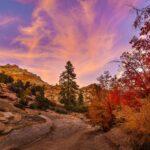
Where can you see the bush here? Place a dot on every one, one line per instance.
(101, 110)
(101, 115)
(137, 124)
(33, 106)
(23, 90)
(60, 110)
(17, 87)
(80, 108)
(22, 104)
(37, 90)
(43, 103)
(76, 108)
(5, 78)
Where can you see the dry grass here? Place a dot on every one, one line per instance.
(137, 123)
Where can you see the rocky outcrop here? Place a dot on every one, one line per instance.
(26, 134)
(5, 93)
(17, 126)
(88, 93)
(52, 93)
(7, 106)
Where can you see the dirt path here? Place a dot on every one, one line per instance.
(71, 134)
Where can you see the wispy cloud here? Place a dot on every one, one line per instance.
(7, 20)
(26, 1)
(83, 31)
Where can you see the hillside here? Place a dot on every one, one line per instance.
(21, 74)
(51, 92)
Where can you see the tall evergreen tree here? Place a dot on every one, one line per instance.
(69, 87)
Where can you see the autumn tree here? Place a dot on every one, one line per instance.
(101, 108)
(69, 87)
(136, 63)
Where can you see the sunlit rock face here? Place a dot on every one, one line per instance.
(52, 93)
(21, 74)
(88, 93)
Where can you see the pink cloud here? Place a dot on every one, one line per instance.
(77, 37)
(26, 1)
(6, 20)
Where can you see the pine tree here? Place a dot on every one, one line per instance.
(69, 87)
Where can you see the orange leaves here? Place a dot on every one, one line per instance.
(129, 98)
(101, 110)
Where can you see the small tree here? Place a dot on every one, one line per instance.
(69, 87)
(80, 98)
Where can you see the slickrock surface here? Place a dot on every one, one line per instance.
(18, 127)
(72, 133)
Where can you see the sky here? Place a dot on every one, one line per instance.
(41, 35)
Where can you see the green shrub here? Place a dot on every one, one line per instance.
(37, 90)
(81, 108)
(60, 110)
(17, 87)
(43, 103)
(5, 78)
(22, 104)
(76, 108)
(33, 106)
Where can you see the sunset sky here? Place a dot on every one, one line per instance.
(41, 35)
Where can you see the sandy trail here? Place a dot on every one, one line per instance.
(71, 133)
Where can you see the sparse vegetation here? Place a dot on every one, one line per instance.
(25, 90)
(5, 78)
